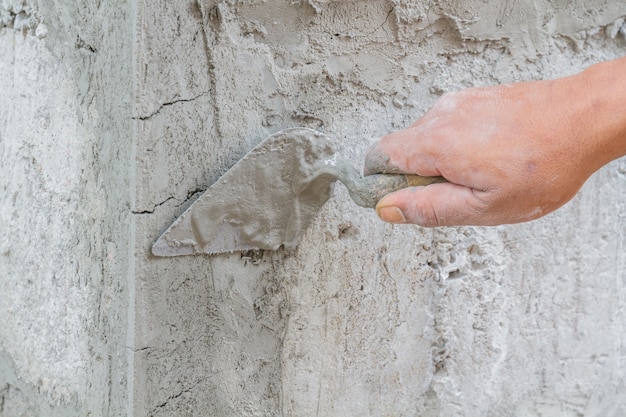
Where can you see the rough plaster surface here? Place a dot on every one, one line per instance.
(362, 318)
(65, 143)
(365, 318)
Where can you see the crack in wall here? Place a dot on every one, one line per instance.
(146, 348)
(187, 201)
(167, 104)
(151, 211)
(164, 404)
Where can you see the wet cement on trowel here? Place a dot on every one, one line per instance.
(265, 201)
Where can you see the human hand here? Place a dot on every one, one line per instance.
(511, 153)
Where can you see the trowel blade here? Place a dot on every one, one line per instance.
(265, 201)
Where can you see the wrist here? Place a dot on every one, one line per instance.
(602, 89)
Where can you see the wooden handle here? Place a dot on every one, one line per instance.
(416, 180)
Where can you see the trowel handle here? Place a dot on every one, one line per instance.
(418, 180)
(374, 187)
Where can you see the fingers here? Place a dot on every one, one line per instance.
(443, 204)
(400, 153)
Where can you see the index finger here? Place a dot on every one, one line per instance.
(400, 152)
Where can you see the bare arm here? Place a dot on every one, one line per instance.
(511, 153)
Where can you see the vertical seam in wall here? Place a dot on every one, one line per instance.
(618, 291)
(130, 331)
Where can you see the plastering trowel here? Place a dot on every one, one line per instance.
(269, 198)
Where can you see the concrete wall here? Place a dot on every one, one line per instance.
(115, 116)
(65, 224)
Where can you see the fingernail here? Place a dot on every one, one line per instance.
(391, 214)
(375, 160)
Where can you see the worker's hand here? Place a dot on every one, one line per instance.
(511, 153)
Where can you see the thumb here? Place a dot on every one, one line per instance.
(443, 204)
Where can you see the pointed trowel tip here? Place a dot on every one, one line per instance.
(162, 248)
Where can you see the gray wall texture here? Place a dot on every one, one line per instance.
(115, 115)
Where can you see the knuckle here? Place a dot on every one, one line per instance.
(426, 215)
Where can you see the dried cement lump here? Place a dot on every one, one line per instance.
(21, 16)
